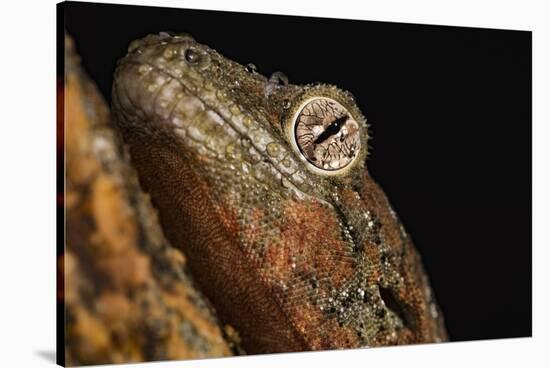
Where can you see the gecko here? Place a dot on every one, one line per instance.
(264, 186)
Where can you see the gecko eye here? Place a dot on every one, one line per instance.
(326, 134)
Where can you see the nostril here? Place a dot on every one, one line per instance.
(192, 56)
(392, 304)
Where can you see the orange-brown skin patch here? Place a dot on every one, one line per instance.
(311, 234)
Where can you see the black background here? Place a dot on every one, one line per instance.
(450, 116)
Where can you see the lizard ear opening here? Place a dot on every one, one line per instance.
(327, 131)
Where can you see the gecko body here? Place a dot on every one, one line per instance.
(264, 187)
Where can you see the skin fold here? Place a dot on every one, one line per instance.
(294, 256)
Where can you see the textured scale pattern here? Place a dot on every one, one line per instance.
(295, 260)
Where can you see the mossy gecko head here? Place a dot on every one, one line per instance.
(223, 111)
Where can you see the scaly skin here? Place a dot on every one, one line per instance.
(294, 257)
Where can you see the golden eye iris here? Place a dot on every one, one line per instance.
(326, 134)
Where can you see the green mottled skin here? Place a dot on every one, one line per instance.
(294, 259)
